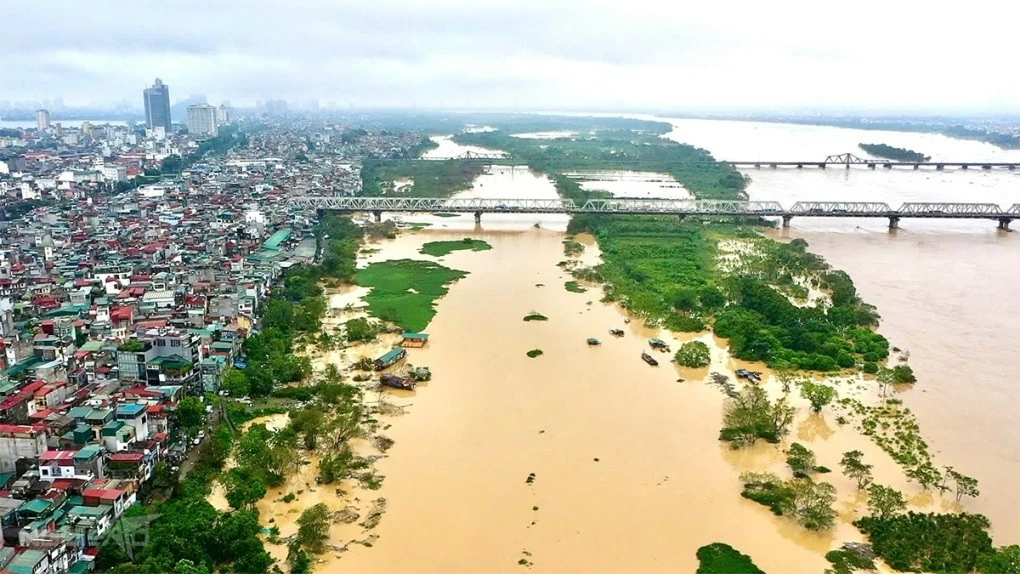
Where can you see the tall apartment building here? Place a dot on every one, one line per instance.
(202, 120)
(42, 120)
(157, 105)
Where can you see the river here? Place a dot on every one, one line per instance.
(628, 473)
(941, 287)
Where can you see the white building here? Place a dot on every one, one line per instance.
(222, 115)
(202, 120)
(115, 173)
(42, 120)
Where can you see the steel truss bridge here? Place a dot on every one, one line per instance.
(849, 159)
(678, 207)
(844, 159)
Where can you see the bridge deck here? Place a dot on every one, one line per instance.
(944, 210)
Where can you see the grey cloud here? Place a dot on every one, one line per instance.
(531, 52)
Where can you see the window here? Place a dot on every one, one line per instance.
(175, 343)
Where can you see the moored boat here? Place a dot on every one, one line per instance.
(396, 382)
(616, 332)
(593, 341)
(649, 359)
(659, 345)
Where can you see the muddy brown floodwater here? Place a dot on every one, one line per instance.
(629, 474)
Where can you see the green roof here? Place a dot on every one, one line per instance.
(26, 561)
(35, 506)
(67, 311)
(22, 367)
(277, 238)
(100, 510)
(410, 335)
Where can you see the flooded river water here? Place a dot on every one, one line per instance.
(628, 474)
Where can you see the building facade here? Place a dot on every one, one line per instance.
(202, 120)
(42, 120)
(157, 105)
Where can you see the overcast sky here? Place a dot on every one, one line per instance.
(661, 55)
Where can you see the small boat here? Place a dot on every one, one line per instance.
(593, 341)
(742, 373)
(659, 344)
(616, 332)
(397, 382)
(649, 359)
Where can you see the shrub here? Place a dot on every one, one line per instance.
(870, 367)
(693, 354)
(929, 542)
(719, 558)
(534, 353)
(903, 374)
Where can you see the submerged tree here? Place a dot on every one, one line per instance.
(855, 468)
(801, 460)
(819, 395)
(884, 501)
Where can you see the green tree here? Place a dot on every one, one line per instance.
(751, 416)
(884, 501)
(812, 504)
(172, 164)
(186, 566)
(925, 474)
(914, 542)
(801, 460)
(300, 562)
(235, 383)
(885, 378)
(855, 468)
(1004, 560)
(711, 297)
(693, 354)
(190, 412)
(683, 298)
(965, 485)
(818, 394)
(361, 329)
(903, 374)
(242, 489)
(110, 555)
(719, 558)
(313, 528)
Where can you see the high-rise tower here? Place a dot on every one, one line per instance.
(157, 105)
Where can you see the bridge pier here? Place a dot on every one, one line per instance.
(786, 220)
(1004, 223)
(917, 166)
(871, 166)
(887, 165)
(800, 166)
(681, 217)
(378, 216)
(963, 166)
(478, 217)
(986, 166)
(821, 166)
(894, 223)
(939, 167)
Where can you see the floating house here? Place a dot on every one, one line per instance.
(414, 339)
(391, 357)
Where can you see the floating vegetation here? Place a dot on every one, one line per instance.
(533, 316)
(534, 353)
(574, 287)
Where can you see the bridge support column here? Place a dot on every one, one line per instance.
(378, 216)
(917, 166)
(939, 167)
(894, 223)
(871, 166)
(681, 217)
(786, 220)
(478, 217)
(963, 166)
(821, 166)
(1004, 223)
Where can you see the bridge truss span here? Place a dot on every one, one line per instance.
(835, 208)
(930, 209)
(1014, 210)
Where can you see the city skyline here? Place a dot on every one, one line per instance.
(503, 55)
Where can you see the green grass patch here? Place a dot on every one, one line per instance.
(440, 248)
(534, 353)
(535, 317)
(404, 291)
(719, 558)
(574, 287)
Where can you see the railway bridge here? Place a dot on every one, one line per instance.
(678, 207)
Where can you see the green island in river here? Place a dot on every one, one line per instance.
(893, 153)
